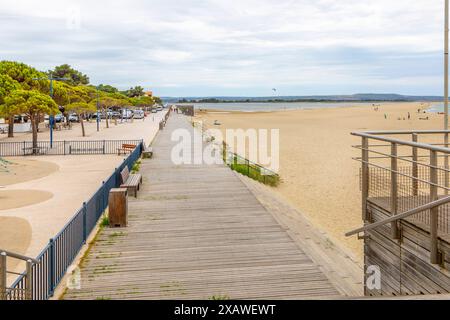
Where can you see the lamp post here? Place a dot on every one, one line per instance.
(98, 106)
(51, 119)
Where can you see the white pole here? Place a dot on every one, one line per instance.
(446, 64)
(446, 160)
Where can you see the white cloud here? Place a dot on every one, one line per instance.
(304, 45)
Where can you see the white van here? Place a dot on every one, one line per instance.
(139, 114)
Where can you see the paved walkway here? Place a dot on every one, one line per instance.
(197, 232)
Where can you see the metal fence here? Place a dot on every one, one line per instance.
(401, 175)
(61, 250)
(59, 148)
(249, 168)
(411, 193)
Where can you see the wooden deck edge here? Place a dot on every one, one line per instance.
(353, 269)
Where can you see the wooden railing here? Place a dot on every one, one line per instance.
(409, 178)
(10, 293)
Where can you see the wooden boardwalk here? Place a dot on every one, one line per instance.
(197, 232)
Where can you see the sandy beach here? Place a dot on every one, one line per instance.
(319, 176)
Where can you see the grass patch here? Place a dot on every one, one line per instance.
(104, 222)
(256, 173)
(116, 235)
(136, 167)
(172, 288)
(219, 298)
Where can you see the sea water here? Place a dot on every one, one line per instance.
(268, 106)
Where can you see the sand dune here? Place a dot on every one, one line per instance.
(319, 176)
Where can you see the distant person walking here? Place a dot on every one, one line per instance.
(385, 116)
(409, 116)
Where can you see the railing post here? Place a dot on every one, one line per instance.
(446, 164)
(84, 222)
(3, 276)
(51, 268)
(29, 281)
(104, 147)
(365, 177)
(415, 166)
(394, 189)
(434, 213)
(224, 151)
(104, 205)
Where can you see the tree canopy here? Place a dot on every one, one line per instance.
(143, 101)
(25, 75)
(137, 91)
(30, 102)
(7, 85)
(107, 88)
(25, 90)
(66, 71)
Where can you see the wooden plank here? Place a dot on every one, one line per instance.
(405, 265)
(196, 231)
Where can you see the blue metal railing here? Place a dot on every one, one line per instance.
(62, 250)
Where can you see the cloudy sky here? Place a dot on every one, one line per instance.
(234, 48)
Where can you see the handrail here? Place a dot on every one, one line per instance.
(399, 132)
(270, 172)
(18, 256)
(402, 142)
(404, 215)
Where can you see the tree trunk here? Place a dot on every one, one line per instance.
(11, 127)
(34, 126)
(107, 120)
(82, 125)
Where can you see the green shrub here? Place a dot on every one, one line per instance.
(254, 172)
(104, 222)
(136, 167)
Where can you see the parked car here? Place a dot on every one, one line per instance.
(154, 111)
(73, 118)
(139, 114)
(116, 115)
(59, 118)
(160, 109)
(95, 115)
(127, 114)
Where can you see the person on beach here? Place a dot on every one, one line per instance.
(409, 116)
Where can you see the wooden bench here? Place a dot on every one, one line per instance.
(148, 153)
(126, 148)
(131, 181)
